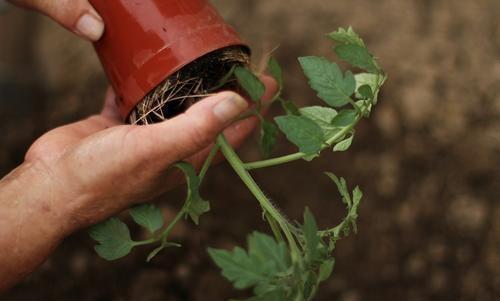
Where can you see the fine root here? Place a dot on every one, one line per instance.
(193, 82)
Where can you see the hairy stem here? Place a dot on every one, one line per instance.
(271, 211)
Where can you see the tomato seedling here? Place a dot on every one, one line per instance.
(290, 264)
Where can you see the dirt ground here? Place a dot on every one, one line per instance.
(427, 161)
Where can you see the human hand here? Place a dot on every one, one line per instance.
(102, 166)
(77, 16)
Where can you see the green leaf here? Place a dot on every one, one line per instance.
(345, 118)
(196, 206)
(289, 107)
(113, 237)
(148, 216)
(327, 80)
(274, 68)
(357, 195)
(312, 239)
(366, 92)
(357, 56)
(310, 158)
(309, 285)
(250, 83)
(344, 145)
(372, 80)
(326, 269)
(303, 132)
(323, 117)
(346, 36)
(342, 187)
(352, 204)
(268, 135)
(239, 268)
(265, 248)
(266, 259)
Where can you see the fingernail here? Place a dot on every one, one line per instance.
(230, 107)
(90, 27)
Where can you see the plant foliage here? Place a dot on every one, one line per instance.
(291, 264)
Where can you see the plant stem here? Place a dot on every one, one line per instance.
(145, 242)
(172, 224)
(274, 227)
(208, 162)
(299, 155)
(272, 212)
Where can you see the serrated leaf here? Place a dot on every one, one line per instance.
(268, 135)
(343, 145)
(264, 260)
(239, 268)
(366, 92)
(357, 56)
(352, 204)
(326, 269)
(274, 69)
(342, 188)
(327, 80)
(196, 206)
(357, 195)
(323, 117)
(250, 83)
(311, 237)
(265, 248)
(346, 36)
(147, 216)
(345, 118)
(114, 239)
(303, 132)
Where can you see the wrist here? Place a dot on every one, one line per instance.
(32, 190)
(32, 221)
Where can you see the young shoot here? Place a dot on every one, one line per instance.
(291, 263)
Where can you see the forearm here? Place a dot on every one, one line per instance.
(32, 221)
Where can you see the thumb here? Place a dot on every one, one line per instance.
(76, 15)
(183, 136)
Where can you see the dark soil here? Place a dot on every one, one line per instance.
(208, 74)
(427, 161)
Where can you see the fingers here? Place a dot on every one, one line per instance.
(110, 110)
(76, 15)
(188, 133)
(236, 134)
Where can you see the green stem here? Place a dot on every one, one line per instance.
(208, 162)
(274, 228)
(299, 155)
(172, 224)
(145, 242)
(272, 212)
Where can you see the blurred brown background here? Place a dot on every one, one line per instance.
(427, 161)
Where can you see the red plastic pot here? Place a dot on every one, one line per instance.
(146, 41)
